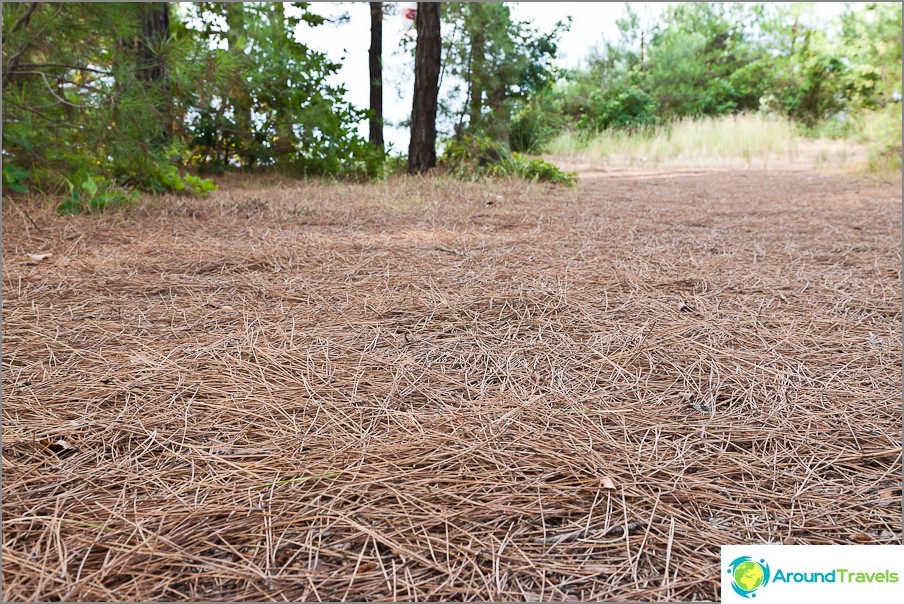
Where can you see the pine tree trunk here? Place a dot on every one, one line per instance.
(498, 127)
(151, 63)
(241, 101)
(154, 33)
(427, 58)
(475, 118)
(375, 58)
(284, 146)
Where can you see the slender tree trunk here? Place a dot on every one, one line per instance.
(427, 60)
(476, 74)
(460, 126)
(241, 100)
(151, 64)
(375, 58)
(154, 34)
(498, 125)
(284, 146)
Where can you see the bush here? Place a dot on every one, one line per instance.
(619, 107)
(13, 177)
(536, 169)
(533, 128)
(470, 152)
(94, 195)
(476, 157)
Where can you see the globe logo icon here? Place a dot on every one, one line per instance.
(748, 575)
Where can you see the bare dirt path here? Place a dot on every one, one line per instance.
(435, 390)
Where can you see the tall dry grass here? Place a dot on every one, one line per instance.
(747, 140)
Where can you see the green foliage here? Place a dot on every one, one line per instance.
(536, 169)
(713, 59)
(394, 164)
(73, 99)
(92, 94)
(92, 90)
(94, 195)
(880, 131)
(532, 128)
(480, 157)
(199, 186)
(265, 100)
(474, 150)
(619, 107)
(496, 65)
(14, 177)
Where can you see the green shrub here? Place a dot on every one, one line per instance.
(94, 195)
(533, 128)
(535, 169)
(199, 186)
(13, 177)
(469, 152)
(476, 157)
(619, 107)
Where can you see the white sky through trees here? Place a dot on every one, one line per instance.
(347, 42)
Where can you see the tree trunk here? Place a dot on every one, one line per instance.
(241, 99)
(154, 34)
(476, 74)
(498, 124)
(284, 146)
(151, 64)
(427, 59)
(375, 58)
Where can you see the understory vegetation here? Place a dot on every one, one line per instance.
(102, 100)
(870, 141)
(718, 80)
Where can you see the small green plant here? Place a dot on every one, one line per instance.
(169, 179)
(465, 155)
(196, 185)
(537, 169)
(93, 195)
(476, 157)
(13, 177)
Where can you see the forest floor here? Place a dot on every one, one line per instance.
(425, 389)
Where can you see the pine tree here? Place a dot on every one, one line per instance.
(375, 59)
(427, 59)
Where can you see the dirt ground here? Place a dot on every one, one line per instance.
(433, 390)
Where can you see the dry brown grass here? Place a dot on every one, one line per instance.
(433, 390)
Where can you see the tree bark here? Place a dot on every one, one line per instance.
(284, 146)
(375, 59)
(241, 99)
(154, 34)
(427, 60)
(476, 76)
(151, 62)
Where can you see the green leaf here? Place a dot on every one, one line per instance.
(90, 187)
(70, 206)
(14, 173)
(99, 202)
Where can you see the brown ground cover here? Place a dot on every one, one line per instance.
(435, 390)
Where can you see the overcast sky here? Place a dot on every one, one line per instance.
(592, 22)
